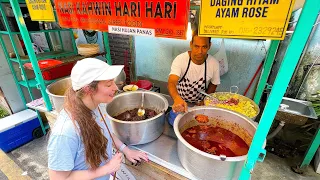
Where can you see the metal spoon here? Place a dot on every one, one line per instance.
(210, 96)
(204, 93)
(141, 110)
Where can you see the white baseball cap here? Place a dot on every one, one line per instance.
(91, 69)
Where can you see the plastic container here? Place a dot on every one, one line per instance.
(17, 129)
(44, 64)
(143, 84)
(171, 117)
(53, 69)
(58, 72)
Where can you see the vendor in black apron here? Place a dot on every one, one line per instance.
(191, 72)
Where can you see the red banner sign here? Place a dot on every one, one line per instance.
(159, 18)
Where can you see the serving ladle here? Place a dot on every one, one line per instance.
(141, 110)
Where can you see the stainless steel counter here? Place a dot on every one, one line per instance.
(163, 150)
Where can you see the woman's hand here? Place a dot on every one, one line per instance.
(114, 164)
(135, 156)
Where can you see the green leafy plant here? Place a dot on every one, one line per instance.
(316, 103)
(316, 106)
(3, 113)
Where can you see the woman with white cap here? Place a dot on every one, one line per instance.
(80, 146)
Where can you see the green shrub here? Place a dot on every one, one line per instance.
(3, 113)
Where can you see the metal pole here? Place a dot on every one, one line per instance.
(49, 41)
(107, 47)
(299, 39)
(60, 39)
(73, 41)
(267, 66)
(32, 56)
(311, 150)
(59, 32)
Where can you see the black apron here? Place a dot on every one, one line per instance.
(189, 91)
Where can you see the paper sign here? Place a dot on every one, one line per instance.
(165, 18)
(132, 31)
(245, 19)
(40, 10)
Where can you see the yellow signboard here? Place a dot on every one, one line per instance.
(245, 19)
(40, 10)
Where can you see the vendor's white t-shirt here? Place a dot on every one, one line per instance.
(196, 72)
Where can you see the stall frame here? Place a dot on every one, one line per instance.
(256, 152)
(297, 44)
(38, 82)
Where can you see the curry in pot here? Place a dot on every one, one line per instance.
(132, 115)
(214, 140)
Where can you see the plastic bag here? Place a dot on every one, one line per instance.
(37, 49)
(221, 57)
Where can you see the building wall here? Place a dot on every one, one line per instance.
(8, 85)
(155, 55)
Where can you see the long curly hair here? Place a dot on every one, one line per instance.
(95, 143)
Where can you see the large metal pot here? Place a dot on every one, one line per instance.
(120, 80)
(138, 132)
(56, 92)
(206, 166)
(57, 89)
(243, 98)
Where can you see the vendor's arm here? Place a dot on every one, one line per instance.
(211, 88)
(131, 155)
(179, 104)
(172, 86)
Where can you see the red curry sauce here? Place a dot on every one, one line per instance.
(215, 140)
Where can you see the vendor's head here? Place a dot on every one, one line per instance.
(199, 47)
(92, 84)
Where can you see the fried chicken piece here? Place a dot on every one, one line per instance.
(205, 144)
(202, 118)
(192, 131)
(212, 150)
(222, 147)
(204, 127)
